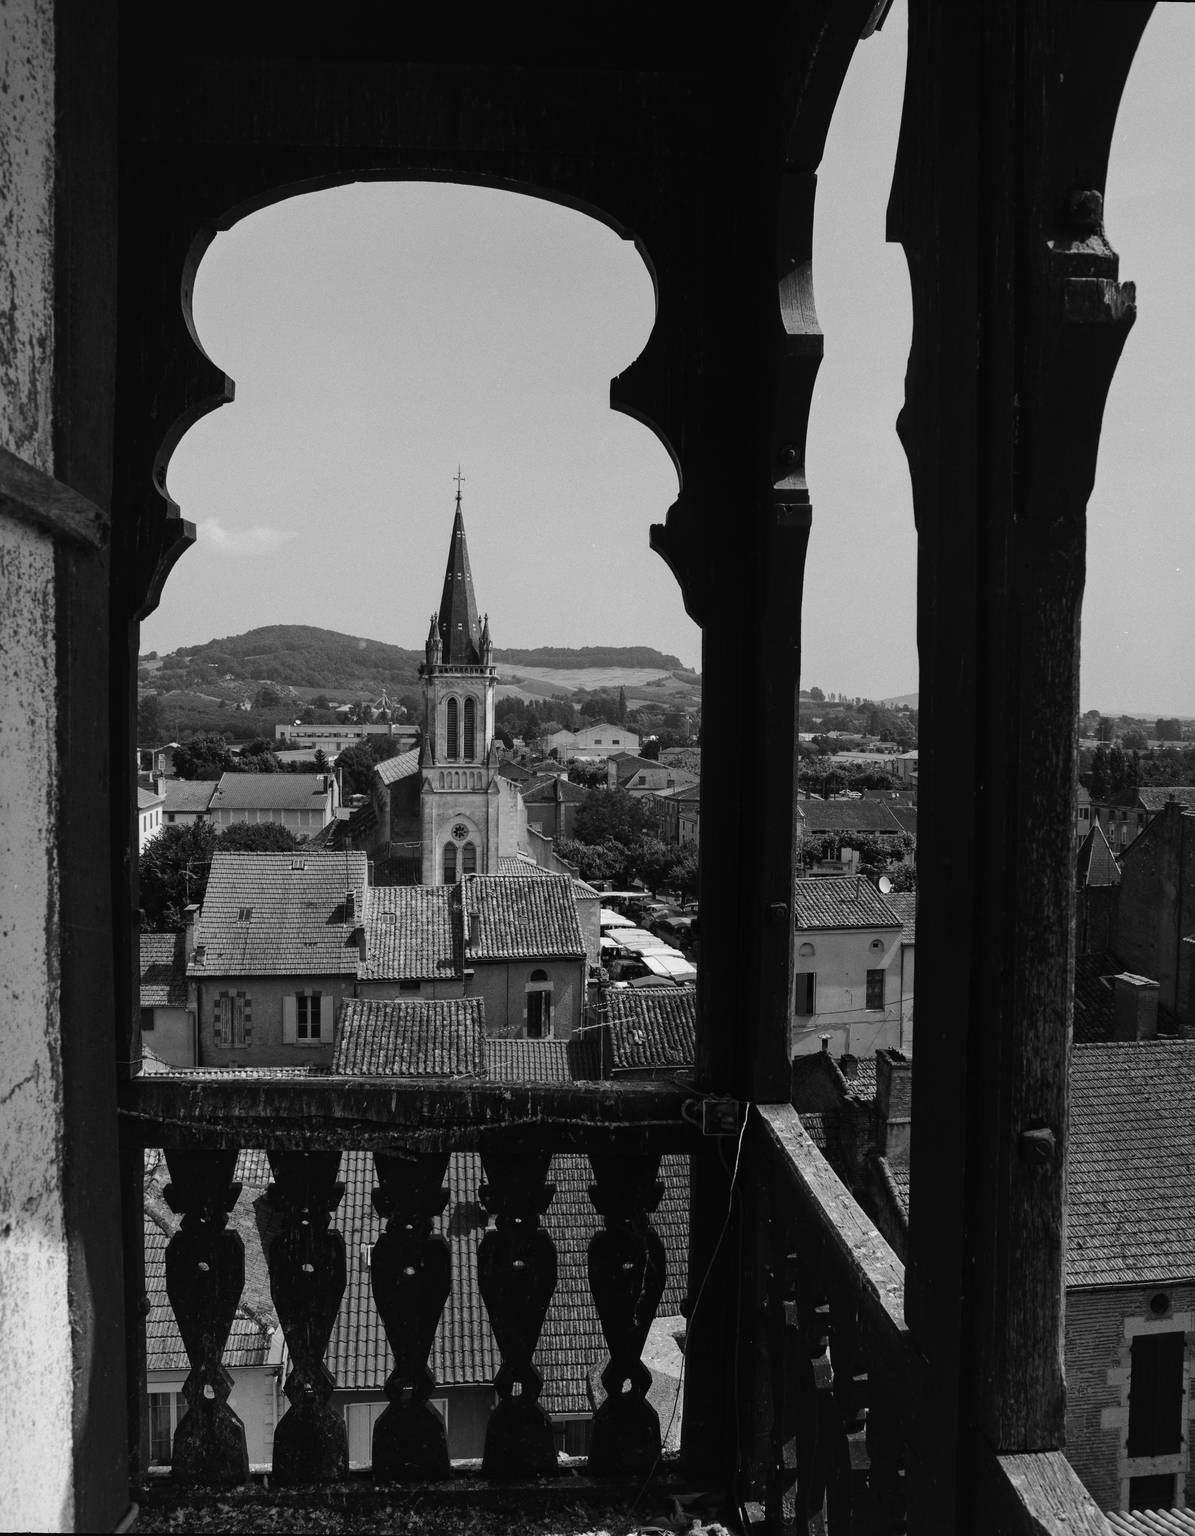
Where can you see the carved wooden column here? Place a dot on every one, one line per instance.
(307, 1280)
(205, 1273)
(516, 1274)
(627, 1268)
(410, 1274)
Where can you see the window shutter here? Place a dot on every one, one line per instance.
(289, 1033)
(219, 1027)
(246, 1018)
(325, 1016)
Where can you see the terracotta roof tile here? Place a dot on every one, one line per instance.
(163, 971)
(523, 919)
(401, 767)
(819, 816)
(411, 1037)
(1151, 1522)
(189, 795)
(652, 1027)
(1154, 797)
(904, 904)
(841, 901)
(271, 792)
(279, 914)
(1131, 1183)
(1096, 863)
(411, 934)
(1095, 1009)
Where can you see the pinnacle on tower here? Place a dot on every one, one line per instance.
(460, 632)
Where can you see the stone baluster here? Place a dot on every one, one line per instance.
(205, 1274)
(627, 1267)
(516, 1274)
(410, 1272)
(307, 1280)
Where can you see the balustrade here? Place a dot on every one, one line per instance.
(411, 1129)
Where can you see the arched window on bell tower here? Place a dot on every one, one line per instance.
(449, 863)
(469, 859)
(452, 745)
(470, 729)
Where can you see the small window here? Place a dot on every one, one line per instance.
(806, 992)
(875, 989)
(308, 1015)
(244, 914)
(1153, 1492)
(147, 1020)
(165, 1410)
(452, 732)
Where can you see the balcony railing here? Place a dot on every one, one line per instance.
(841, 1430)
(411, 1128)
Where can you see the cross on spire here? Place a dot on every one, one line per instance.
(458, 477)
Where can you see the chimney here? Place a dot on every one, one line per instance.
(1135, 1007)
(894, 1103)
(190, 918)
(350, 908)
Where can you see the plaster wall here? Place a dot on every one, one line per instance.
(37, 1489)
(503, 987)
(255, 1399)
(465, 1410)
(307, 821)
(267, 992)
(172, 1037)
(840, 961)
(1155, 907)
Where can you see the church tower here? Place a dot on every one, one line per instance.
(462, 793)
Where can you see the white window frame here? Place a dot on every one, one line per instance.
(291, 1023)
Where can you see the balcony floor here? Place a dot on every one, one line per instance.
(573, 1505)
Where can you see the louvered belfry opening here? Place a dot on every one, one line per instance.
(821, 1373)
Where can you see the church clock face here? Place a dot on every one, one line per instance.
(460, 832)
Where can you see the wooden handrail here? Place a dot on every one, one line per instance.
(310, 1113)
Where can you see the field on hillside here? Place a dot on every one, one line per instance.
(569, 679)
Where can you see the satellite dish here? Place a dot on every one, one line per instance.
(885, 885)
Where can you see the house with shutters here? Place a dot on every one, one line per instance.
(277, 947)
(303, 802)
(854, 957)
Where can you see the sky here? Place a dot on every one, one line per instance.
(380, 335)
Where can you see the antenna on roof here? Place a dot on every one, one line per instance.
(885, 885)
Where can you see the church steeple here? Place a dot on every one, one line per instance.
(460, 632)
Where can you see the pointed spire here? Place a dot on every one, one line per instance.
(460, 633)
(431, 649)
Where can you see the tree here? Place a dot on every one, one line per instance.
(650, 750)
(1105, 729)
(531, 728)
(355, 766)
(174, 869)
(655, 862)
(151, 720)
(205, 756)
(684, 874)
(615, 815)
(622, 706)
(1099, 780)
(817, 696)
(321, 760)
(602, 861)
(589, 775)
(1169, 728)
(256, 837)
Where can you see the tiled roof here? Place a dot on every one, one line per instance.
(652, 1027)
(1095, 1010)
(859, 1075)
(847, 816)
(148, 798)
(1131, 1183)
(686, 793)
(523, 919)
(189, 795)
(411, 1037)
(841, 901)
(271, 792)
(1154, 798)
(513, 1060)
(248, 1340)
(1151, 1522)
(279, 914)
(552, 789)
(400, 767)
(904, 904)
(1096, 863)
(411, 934)
(163, 970)
(906, 815)
(520, 866)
